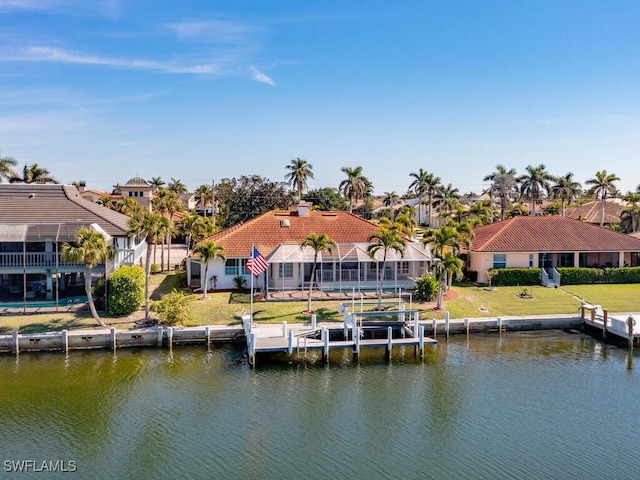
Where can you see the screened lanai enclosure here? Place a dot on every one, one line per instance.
(348, 267)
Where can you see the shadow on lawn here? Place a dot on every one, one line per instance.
(51, 326)
(322, 315)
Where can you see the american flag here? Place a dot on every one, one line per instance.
(257, 263)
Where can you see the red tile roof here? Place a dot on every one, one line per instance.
(550, 234)
(269, 230)
(590, 212)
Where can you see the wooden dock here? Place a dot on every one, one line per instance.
(623, 326)
(352, 335)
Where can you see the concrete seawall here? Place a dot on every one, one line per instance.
(111, 338)
(164, 336)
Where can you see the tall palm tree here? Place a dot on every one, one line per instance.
(447, 237)
(208, 250)
(195, 228)
(173, 205)
(204, 197)
(144, 223)
(33, 174)
(428, 184)
(167, 203)
(91, 249)
(354, 186)
(446, 200)
(176, 185)
(156, 183)
(504, 184)
(602, 186)
(318, 243)
(390, 200)
(447, 268)
(299, 172)
(566, 189)
(6, 171)
(630, 216)
(385, 239)
(419, 186)
(534, 182)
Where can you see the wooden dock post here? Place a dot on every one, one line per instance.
(112, 337)
(421, 340)
(446, 324)
(160, 334)
(604, 325)
(466, 326)
(630, 324)
(65, 341)
(435, 328)
(389, 343)
(313, 321)
(290, 343)
(170, 336)
(356, 345)
(416, 323)
(499, 324)
(15, 340)
(207, 334)
(325, 343)
(251, 347)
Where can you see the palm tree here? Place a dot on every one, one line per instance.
(204, 197)
(385, 239)
(566, 189)
(354, 186)
(419, 185)
(156, 183)
(504, 184)
(195, 228)
(177, 186)
(167, 203)
(602, 186)
(208, 250)
(6, 171)
(144, 223)
(33, 174)
(534, 182)
(173, 204)
(299, 172)
(447, 268)
(447, 237)
(446, 200)
(390, 200)
(90, 248)
(319, 243)
(630, 216)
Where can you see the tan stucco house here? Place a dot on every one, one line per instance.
(549, 242)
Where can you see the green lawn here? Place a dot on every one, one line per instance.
(469, 301)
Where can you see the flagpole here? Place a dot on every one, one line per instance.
(251, 299)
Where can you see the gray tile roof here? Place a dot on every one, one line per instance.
(56, 204)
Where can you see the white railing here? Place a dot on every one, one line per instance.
(130, 256)
(555, 275)
(33, 259)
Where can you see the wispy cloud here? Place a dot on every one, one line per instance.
(58, 55)
(71, 7)
(262, 77)
(218, 31)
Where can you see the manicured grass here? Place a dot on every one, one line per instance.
(469, 301)
(615, 298)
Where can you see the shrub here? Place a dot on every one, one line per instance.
(173, 308)
(154, 268)
(126, 290)
(577, 276)
(426, 288)
(240, 282)
(514, 276)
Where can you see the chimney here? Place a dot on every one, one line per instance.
(82, 186)
(303, 209)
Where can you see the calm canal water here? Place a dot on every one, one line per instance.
(541, 405)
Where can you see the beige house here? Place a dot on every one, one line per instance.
(547, 242)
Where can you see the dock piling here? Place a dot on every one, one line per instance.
(112, 337)
(446, 324)
(421, 340)
(65, 341)
(389, 342)
(16, 342)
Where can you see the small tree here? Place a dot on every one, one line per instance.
(385, 239)
(126, 290)
(173, 308)
(91, 249)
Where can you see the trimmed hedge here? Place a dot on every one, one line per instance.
(569, 275)
(577, 276)
(514, 276)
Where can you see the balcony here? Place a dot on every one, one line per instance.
(17, 260)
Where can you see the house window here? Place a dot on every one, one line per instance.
(131, 194)
(499, 260)
(531, 260)
(141, 194)
(565, 259)
(403, 268)
(232, 266)
(285, 270)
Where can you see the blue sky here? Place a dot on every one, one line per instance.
(200, 90)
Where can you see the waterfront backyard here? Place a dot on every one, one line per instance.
(465, 300)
